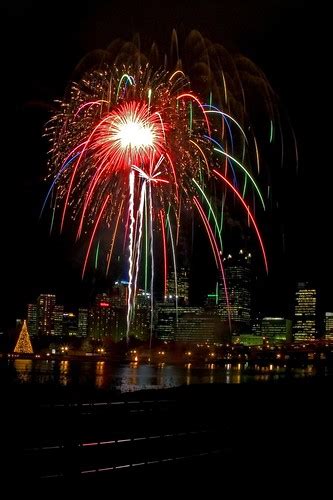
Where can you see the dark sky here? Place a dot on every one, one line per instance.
(43, 42)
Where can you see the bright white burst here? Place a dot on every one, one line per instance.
(134, 134)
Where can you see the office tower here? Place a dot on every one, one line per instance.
(45, 309)
(119, 298)
(305, 319)
(141, 324)
(237, 268)
(276, 330)
(70, 324)
(107, 317)
(101, 317)
(58, 320)
(32, 319)
(83, 322)
(178, 289)
(188, 324)
(119, 294)
(329, 325)
(199, 326)
(165, 314)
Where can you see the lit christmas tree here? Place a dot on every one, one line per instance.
(23, 345)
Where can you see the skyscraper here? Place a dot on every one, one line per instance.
(83, 322)
(305, 319)
(329, 325)
(119, 298)
(45, 309)
(140, 327)
(101, 317)
(32, 319)
(238, 281)
(165, 320)
(58, 319)
(120, 294)
(107, 317)
(178, 288)
(70, 324)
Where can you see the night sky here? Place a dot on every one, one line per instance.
(41, 45)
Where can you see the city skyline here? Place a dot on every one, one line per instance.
(105, 317)
(52, 263)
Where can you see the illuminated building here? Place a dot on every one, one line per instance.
(107, 317)
(305, 319)
(198, 325)
(187, 324)
(238, 277)
(140, 327)
(45, 317)
(58, 319)
(45, 309)
(101, 317)
(329, 325)
(70, 326)
(165, 319)
(178, 289)
(119, 298)
(256, 326)
(83, 322)
(32, 319)
(120, 294)
(276, 330)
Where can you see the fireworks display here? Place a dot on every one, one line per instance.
(138, 147)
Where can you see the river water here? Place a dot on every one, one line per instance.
(137, 376)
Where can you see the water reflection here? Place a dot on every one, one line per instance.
(188, 373)
(135, 376)
(99, 381)
(23, 368)
(160, 374)
(211, 375)
(63, 376)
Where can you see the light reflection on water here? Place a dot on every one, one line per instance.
(63, 375)
(136, 376)
(100, 366)
(23, 368)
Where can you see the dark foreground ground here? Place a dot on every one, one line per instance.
(209, 437)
